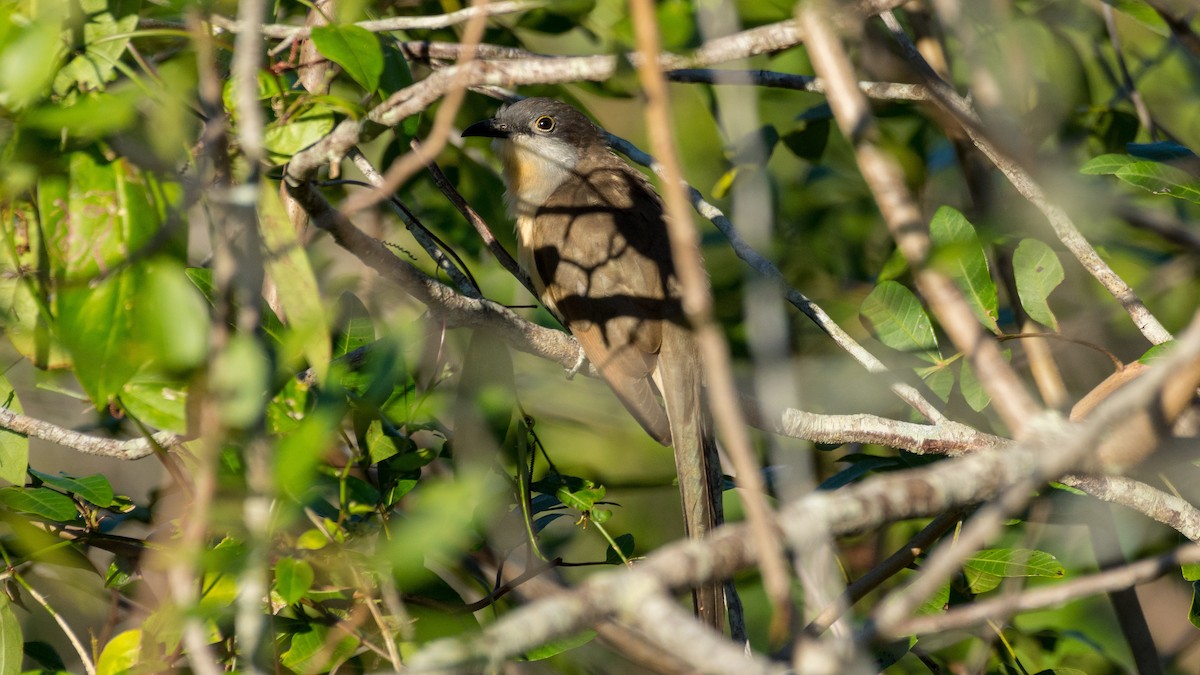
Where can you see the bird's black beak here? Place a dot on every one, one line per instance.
(491, 128)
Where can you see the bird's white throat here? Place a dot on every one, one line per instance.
(534, 167)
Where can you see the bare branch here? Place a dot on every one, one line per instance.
(890, 91)
(394, 23)
(135, 448)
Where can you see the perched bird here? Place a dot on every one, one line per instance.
(592, 235)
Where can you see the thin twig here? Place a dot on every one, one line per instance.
(395, 23)
(889, 91)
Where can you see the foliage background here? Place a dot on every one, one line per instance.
(370, 500)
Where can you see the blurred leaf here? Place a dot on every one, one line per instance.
(14, 447)
(287, 265)
(986, 568)
(316, 650)
(860, 466)
(28, 63)
(939, 378)
(897, 319)
(11, 638)
(238, 381)
(557, 17)
(355, 49)
(1191, 571)
(92, 115)
(24, 294)
(937, 603)
(355, 327)
(293, 578)
(972, 390)
(158, 402)
(1038, 272)
(559, 646)
(173, 320)
(1106, 164)
(1161, 179)
(807, 140)
(94, 488)
(105, 37)
(284, 138)
(959, 253)
(441, 522)
(39, 501)
(297, 455)
(44, 654)
(1143, 13)
(1156, 352)
(1194, 608)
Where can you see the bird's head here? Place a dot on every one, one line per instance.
(540, 141)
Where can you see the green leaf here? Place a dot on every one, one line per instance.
(972, 390)
(24, 305)
(14, 447)
(582, 499)
(1194, 609)
(287, 264)
(298, 453)
(1038, 272)
(94, 488)
(1156, 352)
(173, 316)
(311, 652)
(939, 378)
(1106, 164)
(239, 378)
(11, 638)
(156, 401)
(896, 317)
(106, 35)
(29, 62)
(985, 569)
(937, 603)
(1161, 179)
(623, 552)
(121, 654)
(1191, 571)
(39, 501)
(284, 138)
(959, 253)
(355, 327)
(355, 49)
(559, 646)
(293, 578)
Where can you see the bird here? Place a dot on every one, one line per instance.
(592, 236)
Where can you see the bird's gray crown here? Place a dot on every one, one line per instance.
(551, 119)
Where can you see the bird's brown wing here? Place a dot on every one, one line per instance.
(611, 294)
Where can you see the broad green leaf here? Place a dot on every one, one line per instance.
(1194, 609)
(896, 317)
(92, 115)
(937, 603)
(28, 63)
(312, 652)
(624, 551)
(39, 501)
(284, 138)
(559, 646)
(239, 378)
(121, 654)
(440, 522)
(355, 49)
(158, 402)
(104, 214)
(293, 578)
(14, 447)
(173, 316)
(24, 296)
(355, 327)
(287, 265)
(11, 638)
(94, 488)
(582, 499)
(109, 27)
(1143, 12)
(1161, 179)
(1156, 352)
(1106, 164)
(959, 253)
(298, 454)
(986, 568)
(1038, 272)
(972, 390)
(939, 378)
(1191, 572)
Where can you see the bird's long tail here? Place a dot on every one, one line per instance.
(696, 459)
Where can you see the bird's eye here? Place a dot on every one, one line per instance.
(544, 123)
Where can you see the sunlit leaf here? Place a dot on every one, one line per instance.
(1161, 179)
(94, 488)
(559, 646)
(14, 447)
(293, 578)
(972, 390)
(897, 318)
(106, 35)
(39, 501)
(355, 49)
(1038, 272)
(1106, 164)
(985, 569)
(960, 254)
(11, 638)
(315, 650)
